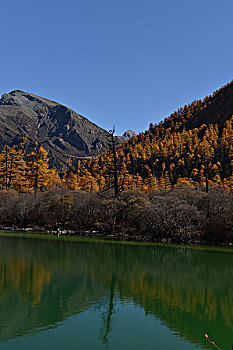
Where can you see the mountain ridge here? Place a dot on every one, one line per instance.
(63, 132)
(194, 145)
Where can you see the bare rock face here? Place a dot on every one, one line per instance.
(128, 134)
(61, 131)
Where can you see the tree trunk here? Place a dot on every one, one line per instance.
(115, 167)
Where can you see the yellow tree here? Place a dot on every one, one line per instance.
(215, 174)
(87, 182)
(38, 174)
(12, 167)
(164, 182)
(207, 153)
(150, 183)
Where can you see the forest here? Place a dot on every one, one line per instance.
(174, 181)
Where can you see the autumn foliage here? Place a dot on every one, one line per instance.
(193, 146)
(26, 172)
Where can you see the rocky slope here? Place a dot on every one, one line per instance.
(61, 131)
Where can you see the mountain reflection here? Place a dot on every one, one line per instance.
(42, 283)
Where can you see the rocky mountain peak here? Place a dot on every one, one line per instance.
(61, 131)
(128, 134)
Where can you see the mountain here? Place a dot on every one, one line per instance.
(61, 131)
(193, 145)
(128, 134)
(213, 109)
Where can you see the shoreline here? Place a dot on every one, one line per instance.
(108, 239)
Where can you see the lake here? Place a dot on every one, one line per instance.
(69, 295)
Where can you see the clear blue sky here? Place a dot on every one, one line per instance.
(123, 62)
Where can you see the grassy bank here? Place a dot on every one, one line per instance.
(97, 240)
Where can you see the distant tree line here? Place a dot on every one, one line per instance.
(183, 214)
(200, 157)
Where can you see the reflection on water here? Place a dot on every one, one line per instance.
(43, 283)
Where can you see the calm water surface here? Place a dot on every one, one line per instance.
(58, 295)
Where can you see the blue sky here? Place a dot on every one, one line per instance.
(124, 63)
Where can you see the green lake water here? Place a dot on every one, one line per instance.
(74, 296)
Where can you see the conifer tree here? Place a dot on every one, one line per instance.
(115, 165)
(38, 174)
(12, 168)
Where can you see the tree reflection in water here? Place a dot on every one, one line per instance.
(42, 283)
